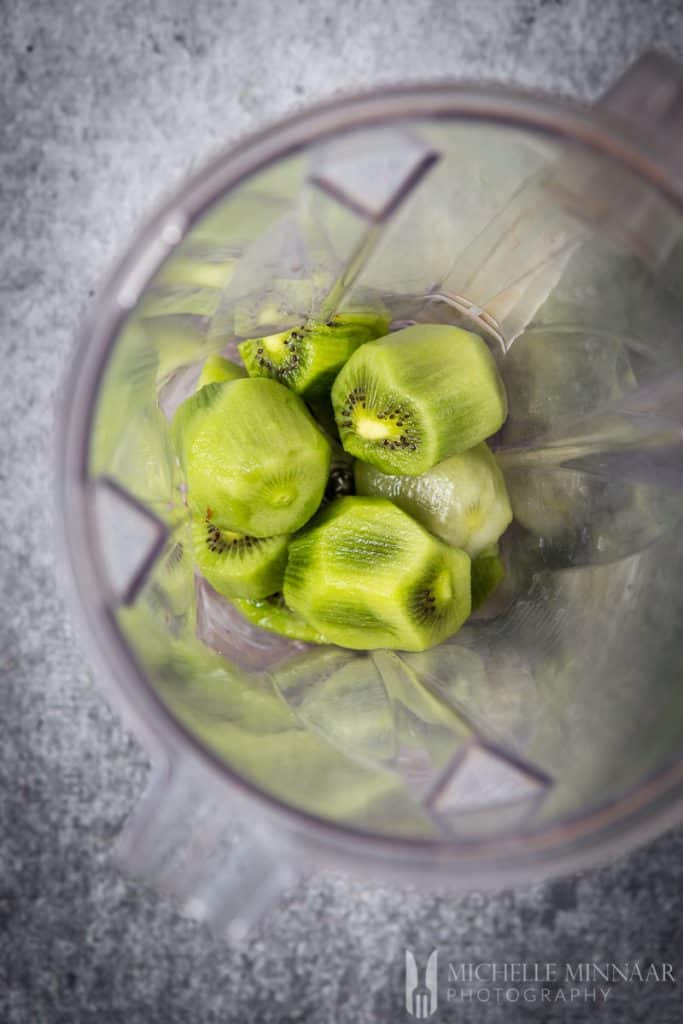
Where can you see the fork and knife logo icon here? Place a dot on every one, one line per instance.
(422, 999)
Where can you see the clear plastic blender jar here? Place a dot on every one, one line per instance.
(549, 730)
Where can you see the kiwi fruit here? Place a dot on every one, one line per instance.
(255, 461)
(217, 369)
(487, 573)
(307, 359)
(462, 500)
(237, 565)
(272, 613)
(366, 575)
(409, 400)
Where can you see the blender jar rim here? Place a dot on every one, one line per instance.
(657, 802)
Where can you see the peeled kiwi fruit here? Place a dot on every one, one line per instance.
(366, 575)
(407, 401)
(272, 613)
(237, 565)
(307, 359)
(255, 462)
(217, 369)
(462, 500)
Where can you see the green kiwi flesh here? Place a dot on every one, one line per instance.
(307, 359)
(407, 401)
(462, 500)
(271, 613)
(366, 575)
(255, 461)
(237, 565)
(217, 369)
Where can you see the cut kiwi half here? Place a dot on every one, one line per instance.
(415, 397)
(255, 462)
(272, 613)
(462, 500)
(307, 359)
(366, 575)
(217, 369)
(487, 572)
(237, 565)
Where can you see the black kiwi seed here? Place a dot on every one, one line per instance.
(340, 482)
(216, 542)
(290, 365)
(398, 414)
(423, 605)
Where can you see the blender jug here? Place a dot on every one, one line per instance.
(549, 730)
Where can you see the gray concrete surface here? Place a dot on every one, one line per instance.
(104, 107)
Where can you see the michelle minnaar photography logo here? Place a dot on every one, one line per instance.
(540, 983)
(422, 988)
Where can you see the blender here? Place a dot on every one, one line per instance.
(548, 732)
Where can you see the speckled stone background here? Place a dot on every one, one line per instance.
(103, 107)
